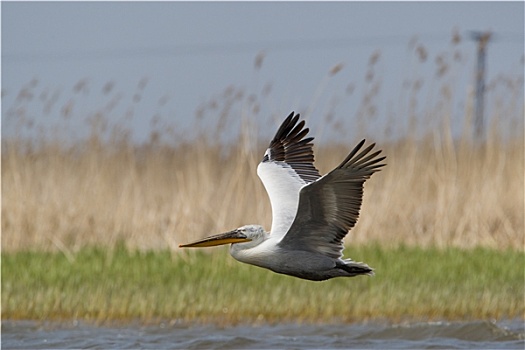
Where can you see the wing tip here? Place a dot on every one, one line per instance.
(364, 159)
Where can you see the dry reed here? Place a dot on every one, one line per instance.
(435, 191)
(429, 194)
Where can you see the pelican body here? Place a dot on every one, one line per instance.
(311, 214)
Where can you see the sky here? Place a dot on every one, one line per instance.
(157, 66)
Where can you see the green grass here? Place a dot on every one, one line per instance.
(100, 284)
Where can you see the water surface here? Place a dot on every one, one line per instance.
(450, 335)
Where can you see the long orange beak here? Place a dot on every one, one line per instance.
(224, 238)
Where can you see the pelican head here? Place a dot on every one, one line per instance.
(244, 237)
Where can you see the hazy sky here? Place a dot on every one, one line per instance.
(142, 63)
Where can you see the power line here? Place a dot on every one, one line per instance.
(236, 47)
(210, 48)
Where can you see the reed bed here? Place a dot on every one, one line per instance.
(430, 194)
(438, 189)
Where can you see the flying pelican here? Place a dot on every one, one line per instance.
(311, 213)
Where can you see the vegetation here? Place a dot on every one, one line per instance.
(152, 197)
(442, 223)
(100, 284)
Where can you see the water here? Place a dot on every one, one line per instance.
(453, 335)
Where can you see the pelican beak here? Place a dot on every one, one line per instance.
(234, 236)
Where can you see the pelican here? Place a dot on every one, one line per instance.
(311, 214)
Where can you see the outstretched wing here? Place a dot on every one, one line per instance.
(329, 207)
(287, 166)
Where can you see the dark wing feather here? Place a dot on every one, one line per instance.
(290, 146)
(329, 207)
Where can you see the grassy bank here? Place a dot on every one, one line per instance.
(411, 283)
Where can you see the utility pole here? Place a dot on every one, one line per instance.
(479, 124)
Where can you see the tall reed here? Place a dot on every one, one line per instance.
(437, 189)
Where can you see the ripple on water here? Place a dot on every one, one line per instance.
(478, 334)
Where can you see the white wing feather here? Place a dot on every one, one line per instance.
(283, 185)
(287, 167)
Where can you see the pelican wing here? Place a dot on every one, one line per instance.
(329, 207)
(287, 166)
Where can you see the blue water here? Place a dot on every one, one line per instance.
(435, 335)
